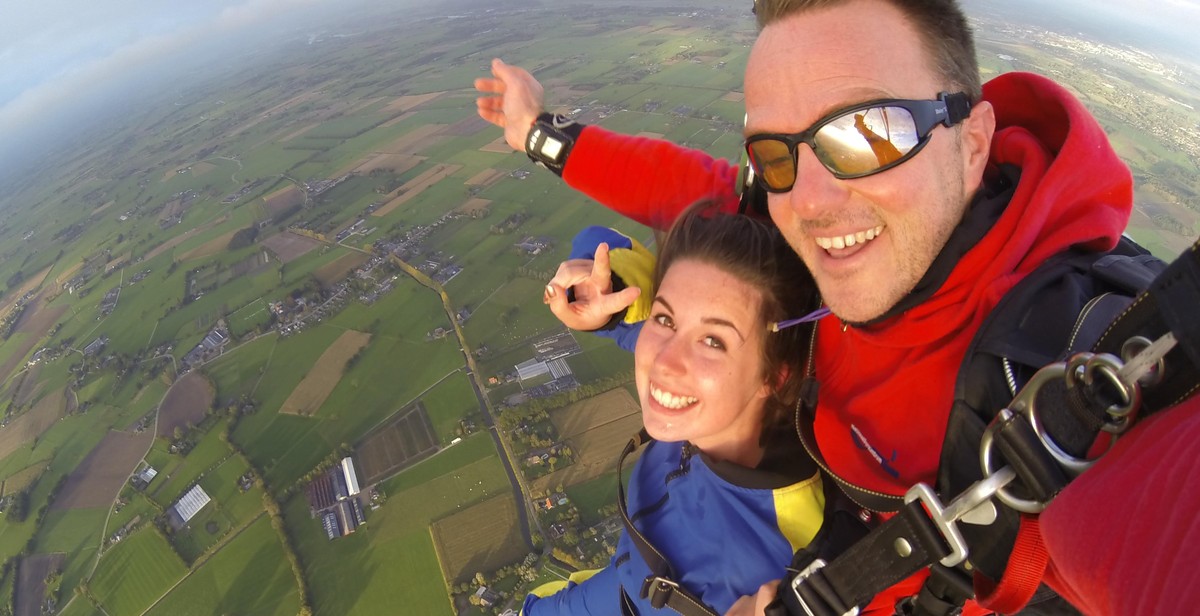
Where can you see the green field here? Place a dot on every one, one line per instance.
(250, 575)
(134, 573)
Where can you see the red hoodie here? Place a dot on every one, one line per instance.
(882, 428)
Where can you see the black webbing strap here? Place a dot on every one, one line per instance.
(660, 587)
(888, 554)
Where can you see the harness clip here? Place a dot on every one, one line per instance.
(796, 582)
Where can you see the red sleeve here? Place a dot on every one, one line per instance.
(648, 180)
(1124, 538)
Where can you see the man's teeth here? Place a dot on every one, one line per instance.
(671, 400)
(850, 239)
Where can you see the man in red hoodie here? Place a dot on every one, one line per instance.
(912, 254)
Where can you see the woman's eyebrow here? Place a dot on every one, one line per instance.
(724, 322)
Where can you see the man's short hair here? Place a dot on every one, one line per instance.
(941, 23)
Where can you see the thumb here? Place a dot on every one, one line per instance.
(616, 302)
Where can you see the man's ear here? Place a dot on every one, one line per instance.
(976, 141)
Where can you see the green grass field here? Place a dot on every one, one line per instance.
(249, 575)
(447, 403)
(134, 573)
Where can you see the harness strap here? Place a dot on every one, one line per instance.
(894, 550)
(1026, 567)
(660, 587)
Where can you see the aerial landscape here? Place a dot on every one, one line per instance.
(271, 338)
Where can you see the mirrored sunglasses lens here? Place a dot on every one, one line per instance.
(773, 163)
(863, 141)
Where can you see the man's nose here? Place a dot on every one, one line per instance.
(816, 190)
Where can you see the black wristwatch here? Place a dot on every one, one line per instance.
(550, 141)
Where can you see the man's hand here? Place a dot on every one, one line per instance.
(756, 605)
(517, 103)
(595, 303)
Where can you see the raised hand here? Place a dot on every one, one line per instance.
(517, 101)
(595, 302)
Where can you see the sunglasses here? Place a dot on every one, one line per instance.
(856, 141)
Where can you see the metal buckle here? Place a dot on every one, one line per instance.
(945, 526)
(972, 506)
(658, 590)
(804, 574)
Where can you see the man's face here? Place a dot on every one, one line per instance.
(869, 240)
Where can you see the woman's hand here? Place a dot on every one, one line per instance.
(595, 302)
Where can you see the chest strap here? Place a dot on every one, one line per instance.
(1098, 390)
(661, 587)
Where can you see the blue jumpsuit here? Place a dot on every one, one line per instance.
(725, 529)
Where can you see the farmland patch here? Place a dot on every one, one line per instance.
(283, 199)
(98, 479)
(334, 271)
(208, 248)
(397, 444)
(187, 402)
(498, 146)
(21, 479)
(396, 163)
(416, 186)
(483, 537)
(33, 423)
(316, 386)
(403, 104)
(597, 429)
(31, 582)
(484, 178)
(289, 246)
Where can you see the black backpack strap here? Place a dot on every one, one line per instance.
(660, 587)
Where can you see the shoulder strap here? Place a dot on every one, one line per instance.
(660, 587)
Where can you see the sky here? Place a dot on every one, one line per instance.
(58, 56)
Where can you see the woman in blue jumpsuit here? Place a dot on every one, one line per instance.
(725, 491)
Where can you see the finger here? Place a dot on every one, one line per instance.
(557, 300)
(601, 272)
(766, 594)
(495, 117)
(488, 84)
(495, 103)
(571, 273)
(613, 303)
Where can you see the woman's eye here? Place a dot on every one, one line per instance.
(664, 320)
(714, 342)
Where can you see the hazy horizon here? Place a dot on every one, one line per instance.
(68, 62)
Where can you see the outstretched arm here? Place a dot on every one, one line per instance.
(648, 180)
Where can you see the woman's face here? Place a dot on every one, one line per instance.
(698, 362)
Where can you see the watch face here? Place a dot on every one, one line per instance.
(551, 148)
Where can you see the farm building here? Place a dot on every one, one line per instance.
(351, 477)
(188, 506)
(143, 479)
(531, 369)
(330, 522)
